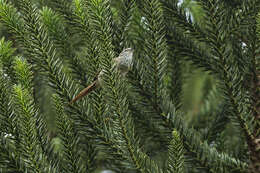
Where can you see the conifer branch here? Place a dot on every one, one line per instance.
(232, 84)
(57, 32)
(187, 48)
(60, 82)
(218, 125)
(178, 16)
(31, 152)
(176, 154)
(81, 17)
(208, 155)
(127, 119)
(191, 138)
(126, 15)
(72, 161)
(115, 91)
(11, 18)
(24, 76)
(9, 159)
(10, 135)
(64, 8)
(7, 57)
(174, 81)
(7, 115)
(155, 48)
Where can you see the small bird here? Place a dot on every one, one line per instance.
(122, 63)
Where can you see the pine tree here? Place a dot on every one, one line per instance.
(139, 123)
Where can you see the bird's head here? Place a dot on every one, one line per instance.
(127, 53)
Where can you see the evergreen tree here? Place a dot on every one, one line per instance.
(142, 122)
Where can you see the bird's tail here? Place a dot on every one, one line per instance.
(84, 92)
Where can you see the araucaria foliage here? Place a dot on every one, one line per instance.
(202, 51)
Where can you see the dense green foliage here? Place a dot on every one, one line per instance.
(190, 103)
